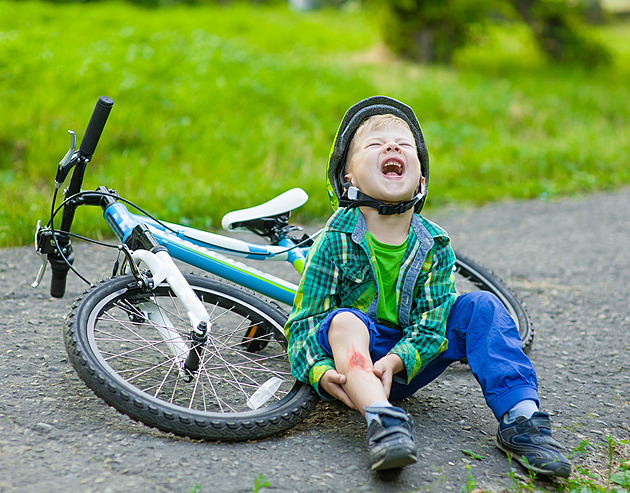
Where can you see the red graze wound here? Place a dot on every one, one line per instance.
(358, 361)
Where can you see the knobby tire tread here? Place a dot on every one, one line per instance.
(488, 281)
(168, 418)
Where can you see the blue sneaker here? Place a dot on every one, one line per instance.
(529, 441)
(391, 438)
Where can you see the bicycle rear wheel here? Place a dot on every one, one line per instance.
(469, 275)
(124, 343)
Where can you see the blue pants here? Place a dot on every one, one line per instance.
(478, 328)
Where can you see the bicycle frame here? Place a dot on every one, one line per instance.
(207, 251)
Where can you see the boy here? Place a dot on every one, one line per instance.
(377, 316)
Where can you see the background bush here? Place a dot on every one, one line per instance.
(428, 31)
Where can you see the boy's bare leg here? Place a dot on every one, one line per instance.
(390, 433)
(350, 341)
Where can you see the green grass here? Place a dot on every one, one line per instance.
(222, 107)
(597, 468)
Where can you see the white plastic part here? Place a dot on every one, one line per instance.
(163, 268)
(265, 392)
(167, 330)
(285, 202)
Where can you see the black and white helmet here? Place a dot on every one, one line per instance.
(354, 117)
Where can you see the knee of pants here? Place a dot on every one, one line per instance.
(489, 306)
(485, 298)
(476, 303)
(474, 315)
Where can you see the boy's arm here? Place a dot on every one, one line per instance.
(313, 301)
(425, 338)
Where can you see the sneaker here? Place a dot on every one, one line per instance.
(529, 441)
(391, 438)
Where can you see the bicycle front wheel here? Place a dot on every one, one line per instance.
(470, 275)
(127, 345)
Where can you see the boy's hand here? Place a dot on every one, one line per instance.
(385, 369)
(332, 382)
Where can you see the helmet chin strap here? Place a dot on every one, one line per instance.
(356, 198)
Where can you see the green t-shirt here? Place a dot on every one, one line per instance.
(388, 261)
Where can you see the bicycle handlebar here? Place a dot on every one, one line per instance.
(59, 261)
(60, 269)
(96, 125)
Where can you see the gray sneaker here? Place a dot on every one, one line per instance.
(529, 441)
(391, 438)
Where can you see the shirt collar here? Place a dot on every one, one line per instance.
(352, 222)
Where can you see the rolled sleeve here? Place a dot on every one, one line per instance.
(313, 302)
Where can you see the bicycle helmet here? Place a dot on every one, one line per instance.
(341, 194)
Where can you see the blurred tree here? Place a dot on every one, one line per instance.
(556, 27)
(426, 30)
(429, 31)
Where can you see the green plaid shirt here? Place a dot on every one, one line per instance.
(340, 273)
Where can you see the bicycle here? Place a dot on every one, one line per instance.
(198, 357)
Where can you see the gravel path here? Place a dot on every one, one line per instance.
(567, 261)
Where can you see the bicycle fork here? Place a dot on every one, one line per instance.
(163, 268)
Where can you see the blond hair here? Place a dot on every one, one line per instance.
(376, 122)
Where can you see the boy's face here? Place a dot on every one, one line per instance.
(385, 164)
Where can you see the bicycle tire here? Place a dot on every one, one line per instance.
(113, 345)
(475, 276)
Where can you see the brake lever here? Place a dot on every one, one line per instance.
(69, 160)
(40, 253)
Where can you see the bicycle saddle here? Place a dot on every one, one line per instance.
(282, 204)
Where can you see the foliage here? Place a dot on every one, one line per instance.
(603, 468)
(611, 457)
(471, 484)
(557, 29)
(428, 31)
(167, 3)
(260, 483)
(222, 107)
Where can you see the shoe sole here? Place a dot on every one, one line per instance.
(395, 459)
(564, 472)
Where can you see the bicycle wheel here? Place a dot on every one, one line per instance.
(469, 275)
(127, 345)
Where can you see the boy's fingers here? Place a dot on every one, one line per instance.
(343, 397)
(387, 386)
(334, 377)
(332, 382)
(337, 392)
(385, 376)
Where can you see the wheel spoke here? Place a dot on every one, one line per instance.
(228, 373)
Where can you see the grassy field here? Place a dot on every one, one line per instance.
(218, 108)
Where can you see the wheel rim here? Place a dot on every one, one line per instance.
(130, 348)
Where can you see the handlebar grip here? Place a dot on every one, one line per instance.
(96, 125)
(60, 267)
(58, 282)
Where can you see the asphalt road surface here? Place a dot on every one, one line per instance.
(567, 260)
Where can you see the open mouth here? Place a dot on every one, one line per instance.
(393, 167)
